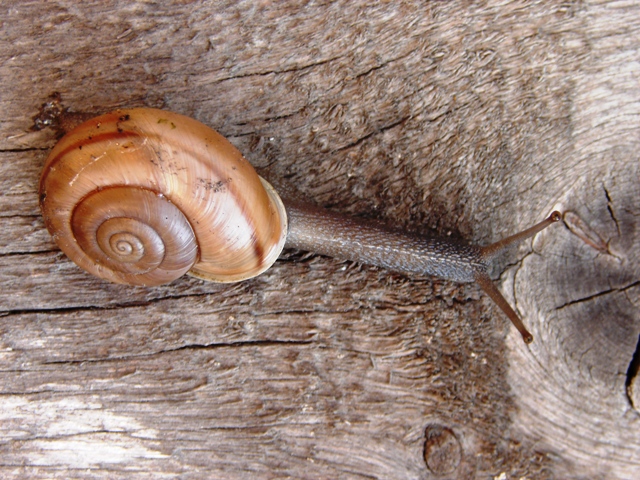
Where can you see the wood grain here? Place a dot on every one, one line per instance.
(473, 120)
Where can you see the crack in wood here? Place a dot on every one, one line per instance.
(194, 346)
(589, 298)
(610, 209)
(93, 308)
(24, 150)
(29, 254)
(281, 71)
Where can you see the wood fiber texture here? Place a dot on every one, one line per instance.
(471, 119)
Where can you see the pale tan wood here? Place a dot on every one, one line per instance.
(474, 120)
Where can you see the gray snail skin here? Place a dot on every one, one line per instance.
(143, 196)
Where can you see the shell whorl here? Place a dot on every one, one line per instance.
(143, 196)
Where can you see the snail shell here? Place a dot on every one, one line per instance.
(142, 196)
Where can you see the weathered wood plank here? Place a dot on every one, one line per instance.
(474, 120)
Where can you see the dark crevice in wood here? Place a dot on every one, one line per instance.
(599, 294)
(632, 373)
(164, 297)
(265, 73)
(193, 346)
(610, 209)
(24, 150)
(28, 254)
(300, 312)
(20, 216)
(245, 343)
(93, 308)
(370, 70)
(65, 310)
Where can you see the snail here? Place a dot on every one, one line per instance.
(143, 196)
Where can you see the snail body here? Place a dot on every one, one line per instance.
(143, 196)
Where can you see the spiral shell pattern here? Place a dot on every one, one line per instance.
(143, 196)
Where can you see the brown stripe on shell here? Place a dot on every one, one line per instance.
(259, 252)
(80, 143)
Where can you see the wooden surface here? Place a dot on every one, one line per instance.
(473, 120)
